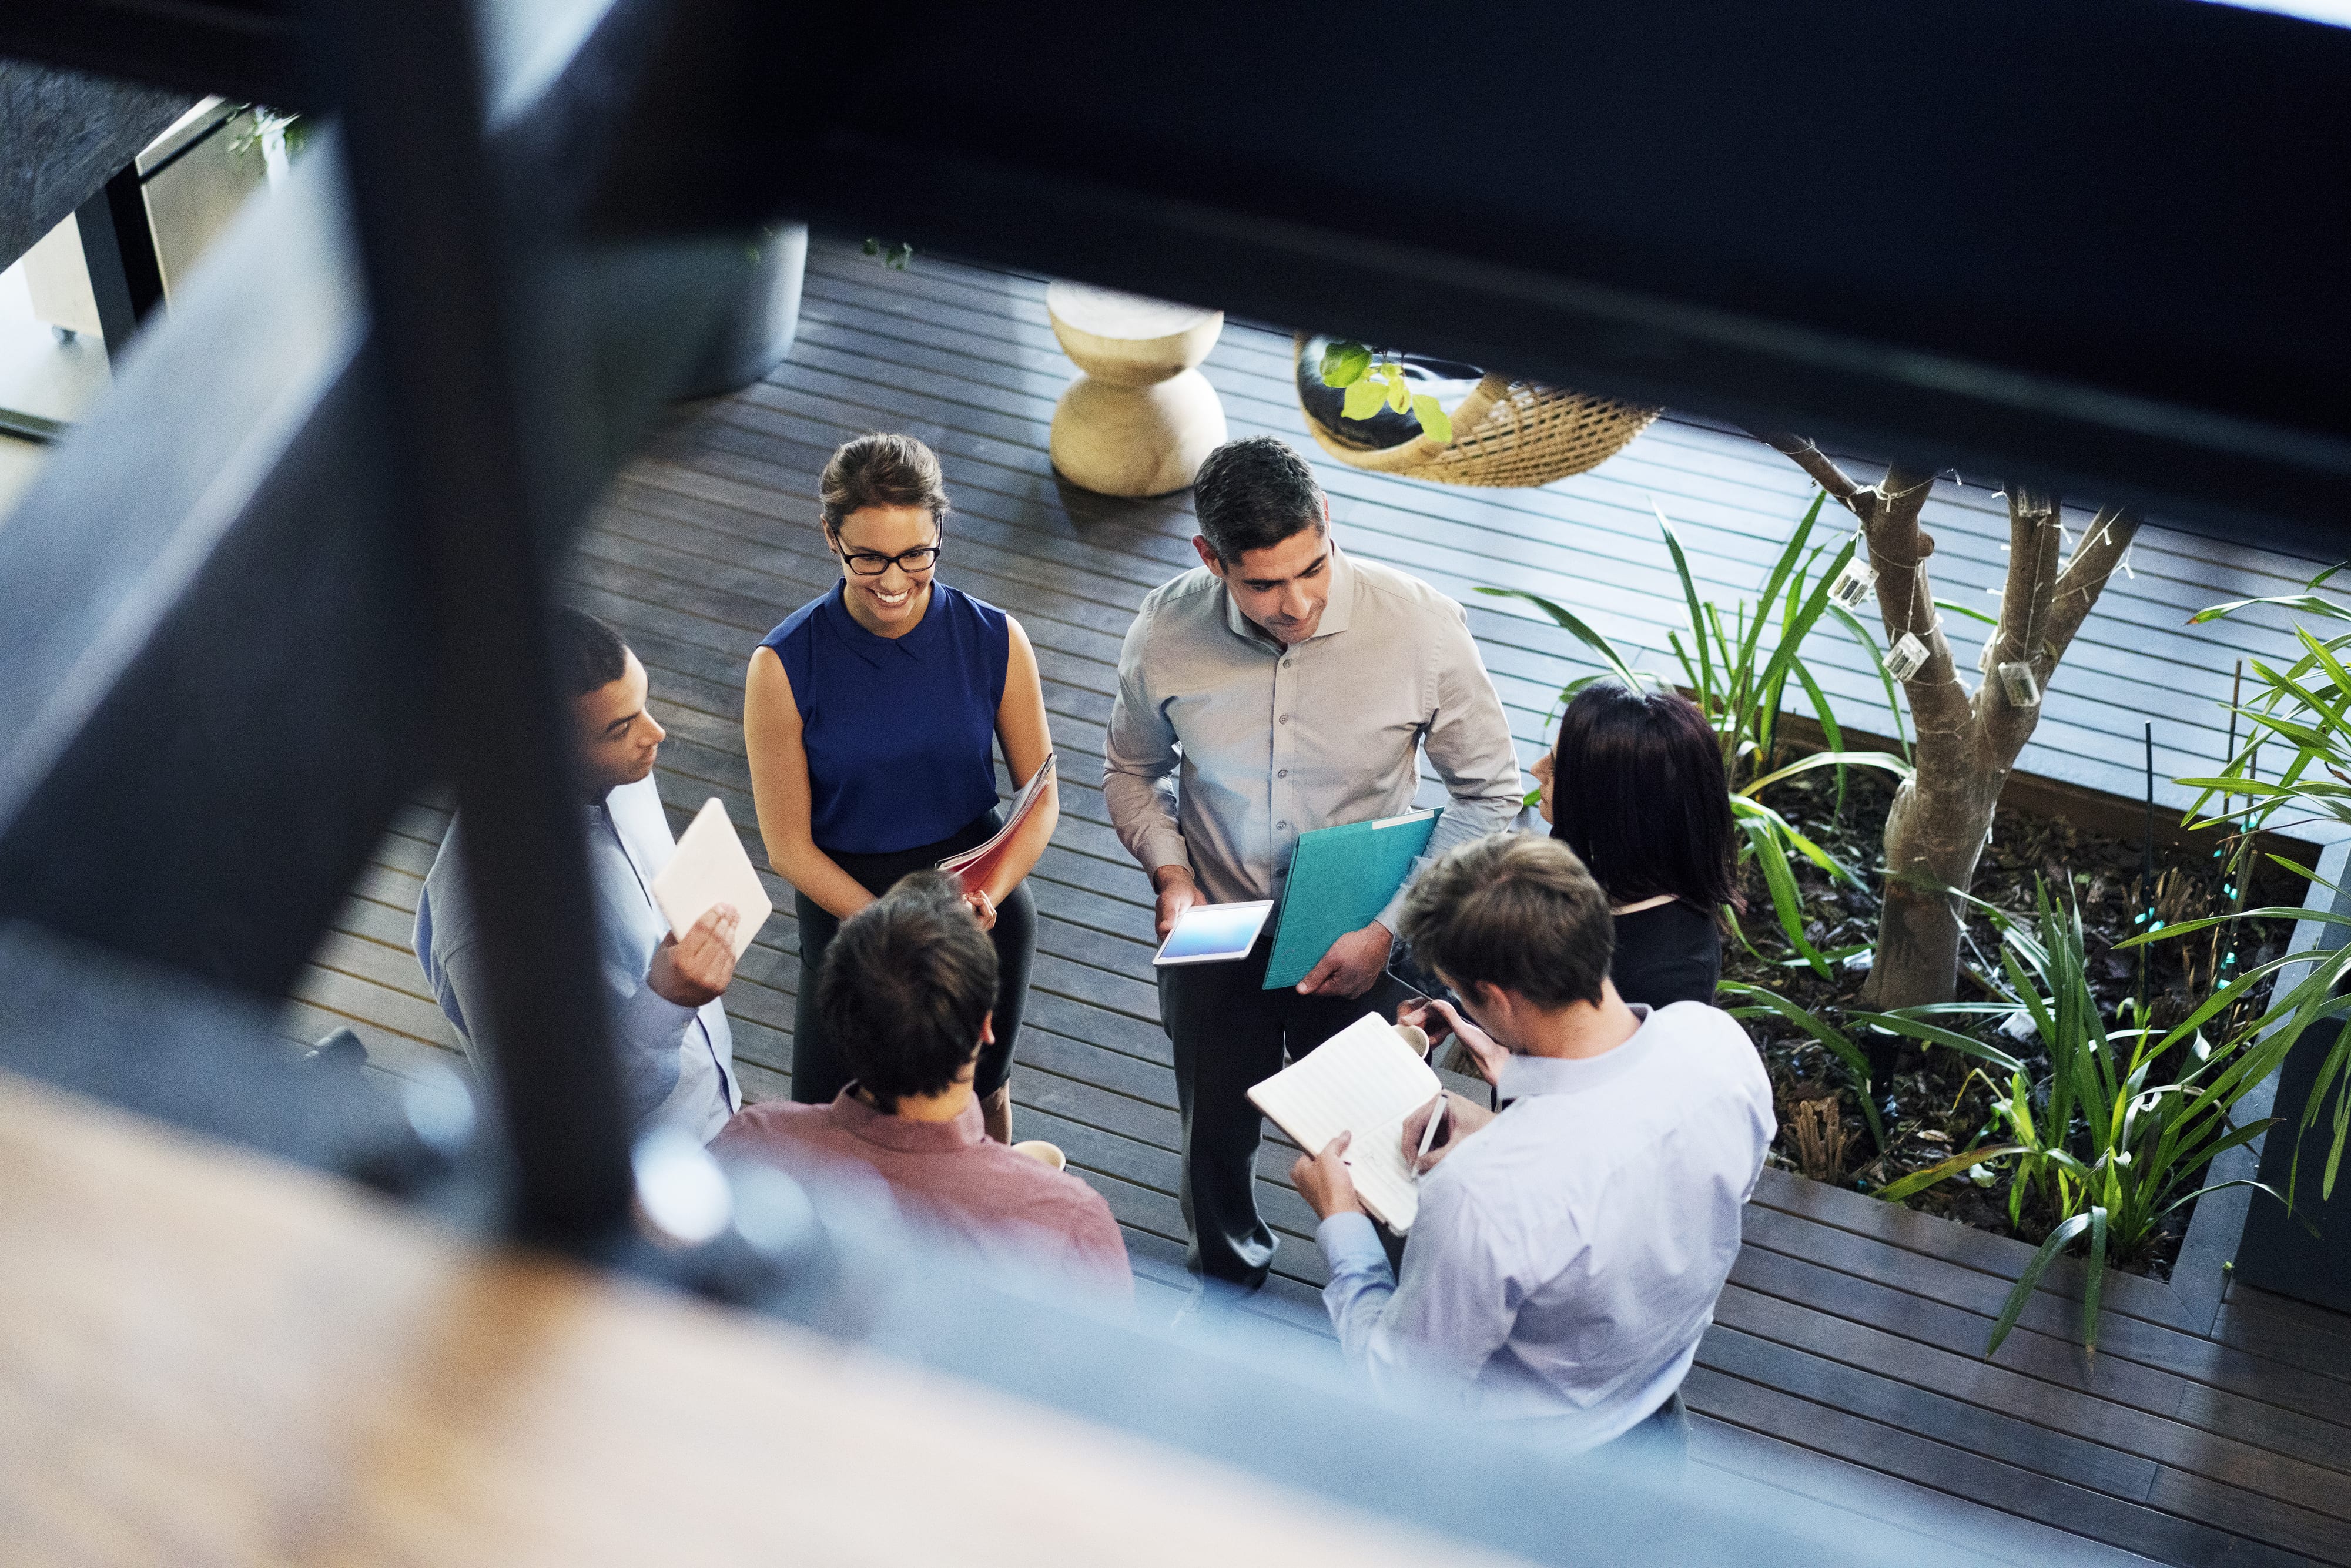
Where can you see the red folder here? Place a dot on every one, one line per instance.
(975, 866)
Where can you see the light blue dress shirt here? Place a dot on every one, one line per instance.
(1566, 1257)
(676, 1062)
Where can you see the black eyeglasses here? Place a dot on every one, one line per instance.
(921, 558)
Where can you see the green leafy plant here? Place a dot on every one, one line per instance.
(1373, 382)
(2301, 716)
(1739, 668)
(2124, 1126)
(894, 257)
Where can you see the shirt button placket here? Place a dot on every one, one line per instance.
(1285, 746)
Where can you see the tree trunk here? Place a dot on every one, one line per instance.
(1968, 741)
(1935, 834)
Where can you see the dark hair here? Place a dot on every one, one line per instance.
(907, 982)
(1252, 494)
(1515, 912)
(588, 654)
(1638, 793)
(882, 470)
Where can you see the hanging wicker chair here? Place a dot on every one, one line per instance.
(1505, 433)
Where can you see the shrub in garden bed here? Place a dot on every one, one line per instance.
(1938, 1100)
(1964, 1006)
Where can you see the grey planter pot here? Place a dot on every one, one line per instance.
(753, 335)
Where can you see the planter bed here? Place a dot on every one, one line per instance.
(1939, 1102)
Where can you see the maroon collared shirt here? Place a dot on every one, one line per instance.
(950, 1176)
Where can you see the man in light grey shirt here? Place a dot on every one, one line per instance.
(677, 1054)
(1568, 1250)
(1279, 687)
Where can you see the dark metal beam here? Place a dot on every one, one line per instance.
(446, 268)
(118, 248)
(220, 630)
(2003, 235)
(239, 48)
(62, 135)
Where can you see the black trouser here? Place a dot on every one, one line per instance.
(819, 1072)
(1229, 1033)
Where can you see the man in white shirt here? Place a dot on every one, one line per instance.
(1568, 1250)
(670, 1036)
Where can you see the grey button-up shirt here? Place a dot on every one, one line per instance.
(1224, 745)
(676, 1062)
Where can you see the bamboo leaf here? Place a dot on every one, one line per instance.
(1919, 1180)
(1705, 683)
(1950, 1039)
(2023, 1292)
(1827, 1034)
(1884, 761)
(1568, 621)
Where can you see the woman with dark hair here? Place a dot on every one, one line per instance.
(1635, 788)
(871, 717)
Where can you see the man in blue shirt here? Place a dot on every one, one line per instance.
(1568, 1252)
(677, 1054)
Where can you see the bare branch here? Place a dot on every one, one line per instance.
(1824, 470)
(2102, 548)
(1905, 599)
(2033, 536)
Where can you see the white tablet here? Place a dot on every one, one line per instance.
(1213, 933)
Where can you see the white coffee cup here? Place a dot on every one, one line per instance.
(1043, 1152)
(1416, 1037)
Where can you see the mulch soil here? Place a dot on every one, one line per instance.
(1939, 1102)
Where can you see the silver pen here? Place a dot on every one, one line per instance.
(1429, 1133)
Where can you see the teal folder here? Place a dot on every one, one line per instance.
(1340, 879)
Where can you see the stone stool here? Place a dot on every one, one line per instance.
(1140, 419)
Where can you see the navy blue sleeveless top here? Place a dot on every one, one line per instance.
(900, 732)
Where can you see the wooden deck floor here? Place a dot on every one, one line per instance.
(1845, 1363)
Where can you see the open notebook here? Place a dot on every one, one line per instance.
(1363, 1080)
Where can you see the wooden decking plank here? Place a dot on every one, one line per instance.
(1999, 1256)
(1946, 1528)
(2048, 1453)
(1961, 1376)
(2319, 1344)
(1817, 1288)
(1876, 1445)
(2120, 1337)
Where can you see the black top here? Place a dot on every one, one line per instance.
(1669, 954)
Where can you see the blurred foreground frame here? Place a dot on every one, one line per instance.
(236, 597)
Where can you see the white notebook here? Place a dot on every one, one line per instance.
(709, 868)
(1363, 1080)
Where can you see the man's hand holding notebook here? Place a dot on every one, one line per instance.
(1364, 1082)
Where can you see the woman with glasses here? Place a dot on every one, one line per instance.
(870, 716)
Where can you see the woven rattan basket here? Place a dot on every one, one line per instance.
(1505, 433)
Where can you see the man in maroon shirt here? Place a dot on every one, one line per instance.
(906, 993)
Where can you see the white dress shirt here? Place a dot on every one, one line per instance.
(1567, 1256)
(676, 1062)
(1224, 745)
